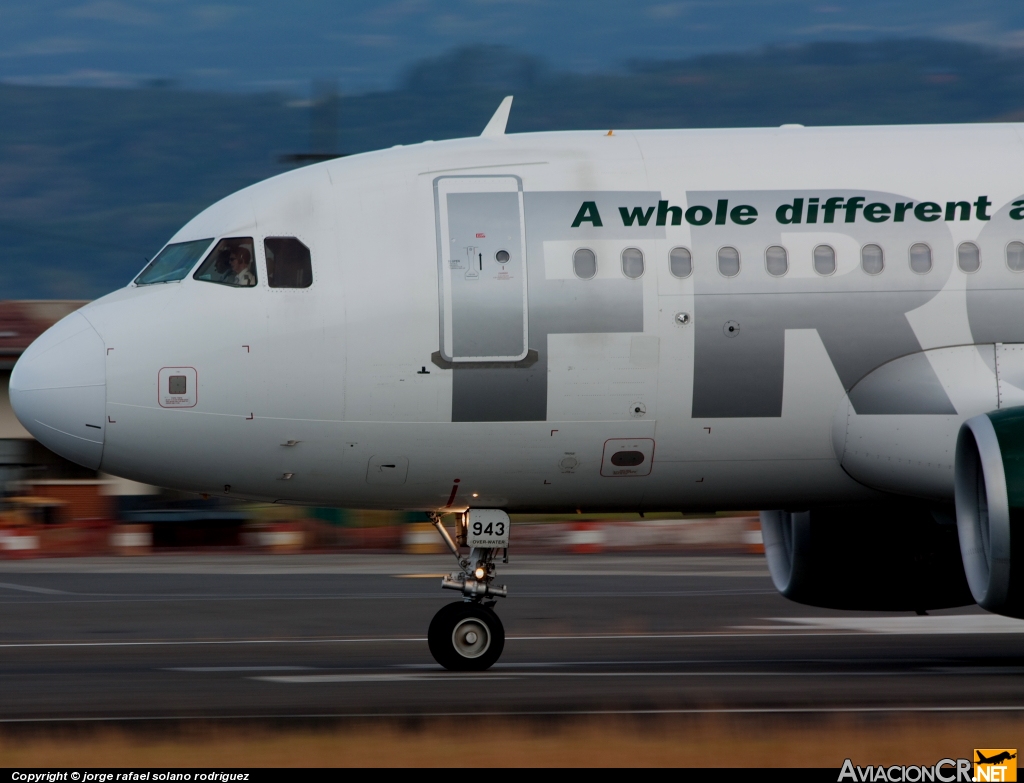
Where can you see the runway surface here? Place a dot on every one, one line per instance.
(342, 635)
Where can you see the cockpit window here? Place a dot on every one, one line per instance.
(289, 264)
(231, 263)
(173, 262)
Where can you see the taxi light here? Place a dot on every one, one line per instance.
(480, 573)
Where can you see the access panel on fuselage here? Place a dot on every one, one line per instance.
(482, 268)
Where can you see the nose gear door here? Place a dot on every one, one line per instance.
(482, 268)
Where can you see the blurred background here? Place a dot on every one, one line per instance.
(120, 120)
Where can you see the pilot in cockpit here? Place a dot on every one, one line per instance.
(222, 271)
(241, 265)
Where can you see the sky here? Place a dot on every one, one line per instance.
(265, 45)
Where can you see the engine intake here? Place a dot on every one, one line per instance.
(989, 487)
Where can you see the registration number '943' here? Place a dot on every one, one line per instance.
(487, 527)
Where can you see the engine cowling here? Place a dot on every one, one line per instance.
(897, 557)
(989, 487)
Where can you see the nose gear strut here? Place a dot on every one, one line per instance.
(467, 635)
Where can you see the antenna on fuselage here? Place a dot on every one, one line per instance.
(496, 126)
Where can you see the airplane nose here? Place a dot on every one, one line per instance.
(59, 393)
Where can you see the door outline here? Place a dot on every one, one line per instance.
(478, 183)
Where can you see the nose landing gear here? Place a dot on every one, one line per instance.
(467, 635)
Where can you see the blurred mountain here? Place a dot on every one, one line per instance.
(92, 181)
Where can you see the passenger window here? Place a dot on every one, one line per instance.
(289, 264)
(680, 262)
(968, 257)
(729, 261)
(173, 262)
(776, 261)
(1015, 256)
(921, 258)
(824, 260)
(231, 263)
(872, 259)
(632, 263)
(584, 263)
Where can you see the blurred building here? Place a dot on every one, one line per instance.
(27, 468)
(22, 458)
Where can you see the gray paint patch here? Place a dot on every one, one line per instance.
(556, 306)
(860, 318)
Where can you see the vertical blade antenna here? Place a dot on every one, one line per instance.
(496, 127)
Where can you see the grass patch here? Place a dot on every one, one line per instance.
(685, 741)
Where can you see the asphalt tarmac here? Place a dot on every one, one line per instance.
(278, 636)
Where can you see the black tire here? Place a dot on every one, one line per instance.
(440, 630)
(480, 640)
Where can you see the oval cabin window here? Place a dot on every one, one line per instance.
(872, 260)
(1015, 256)
(680, 262)
(968, 257)
(632, 263)
(824, 260)
(921, 258)
(584, 263)
(729, 261)
(776, 261)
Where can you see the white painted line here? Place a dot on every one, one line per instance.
(238, 668)
(439, 676)
(203, 642)
(308, 679)
(383, 640)
(103, 598)
(28, 589)
(953, 709)
(967, 624)
(958, 624)
(390, 565)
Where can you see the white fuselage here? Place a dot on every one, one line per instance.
(384, 384)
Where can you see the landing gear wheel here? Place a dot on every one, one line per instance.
(466, 637)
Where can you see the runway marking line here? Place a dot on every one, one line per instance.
(384, 640)
(30, 589)
(238, 668)
(99, 598)
(382, 677)
(527, 713)
(968, 624)
(364, 640)
(804, 626)
(439, 676)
